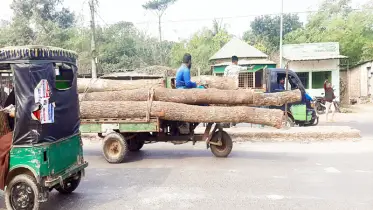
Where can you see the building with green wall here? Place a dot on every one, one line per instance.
(248, 56)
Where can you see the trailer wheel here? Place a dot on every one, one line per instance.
(115, 148)
(227, 144)
(135, 145)
(22, 193)
(70, 184)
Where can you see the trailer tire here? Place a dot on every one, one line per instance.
(135, 145)
(31, 190)
(115, 148)
(227, 144)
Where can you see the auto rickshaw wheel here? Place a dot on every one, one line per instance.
(22, 193)
(315, 121)
(115, 148)
(289, 122)
(69, 184)
(226, 146)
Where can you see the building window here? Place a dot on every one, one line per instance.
(246, 80)
(318, 79)
(304, 78)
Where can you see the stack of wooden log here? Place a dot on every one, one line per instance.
(101, 98)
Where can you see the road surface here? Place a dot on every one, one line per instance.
(334, 175)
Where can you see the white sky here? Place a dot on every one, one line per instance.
(185, 17)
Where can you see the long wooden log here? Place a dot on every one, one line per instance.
(198, 96)
(102, 85)
(181, 112)
(222, 83)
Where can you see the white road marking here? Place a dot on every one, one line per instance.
(275, 197)
(331, 170)
(279, 177)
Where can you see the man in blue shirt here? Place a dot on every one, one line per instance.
(183, 74)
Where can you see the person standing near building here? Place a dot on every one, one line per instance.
(329, 98)
(233, 70)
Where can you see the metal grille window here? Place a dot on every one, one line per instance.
(246, 80)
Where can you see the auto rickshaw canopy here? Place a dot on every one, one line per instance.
(45, 91)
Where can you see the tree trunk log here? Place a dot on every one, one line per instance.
(222, 83)
(102, 85)
(181, 112)
(198, 96)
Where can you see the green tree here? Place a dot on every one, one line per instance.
(44, 10)
(159, 7)
(265, 31)
(337, 22)
(201, 46)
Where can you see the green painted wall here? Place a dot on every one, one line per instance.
(220, 69)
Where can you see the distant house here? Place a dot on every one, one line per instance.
(358, 81)
(248, 56)
(313, 63)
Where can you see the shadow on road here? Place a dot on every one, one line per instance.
(169, 154)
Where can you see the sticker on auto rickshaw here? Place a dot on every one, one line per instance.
(42, 91)
(44, 110)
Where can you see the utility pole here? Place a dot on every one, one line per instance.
(93, 41)
(281, 30)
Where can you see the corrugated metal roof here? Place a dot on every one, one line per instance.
(247, 62)
(312, 51)
(238, 48)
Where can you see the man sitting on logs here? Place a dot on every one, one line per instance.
(183, 80)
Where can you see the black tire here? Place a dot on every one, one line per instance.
(22, 193)
(226, 125)
(135, 145)
(70, 184)
(290, 122)
(227, 145)
(315, 121)
(319, 109)
(115, 148)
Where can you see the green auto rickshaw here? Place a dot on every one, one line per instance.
(41, 148)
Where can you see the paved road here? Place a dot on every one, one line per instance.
(361, 119)
(256, 176)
